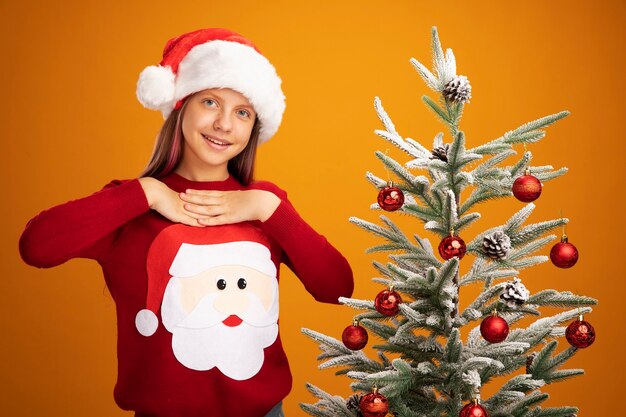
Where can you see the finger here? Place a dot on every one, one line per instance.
(191, 216)
(209, 193)
(216, 220)
(197, 211)
(200, 199)
(190, 221)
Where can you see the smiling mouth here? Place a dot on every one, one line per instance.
(232, 321)
(216, 141)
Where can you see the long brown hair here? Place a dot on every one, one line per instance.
(168, 150)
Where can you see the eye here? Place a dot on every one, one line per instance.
(209, 102)
(243, 113)
(221, 284)
(242, 283)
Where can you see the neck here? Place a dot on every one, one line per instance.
(217, 174)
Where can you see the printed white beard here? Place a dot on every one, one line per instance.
(236, 351)
(200, 340)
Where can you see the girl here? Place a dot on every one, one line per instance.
(190, 250)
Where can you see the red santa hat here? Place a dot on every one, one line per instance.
(214, 58)
(182, 251)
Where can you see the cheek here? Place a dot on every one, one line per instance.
(186, 131)
(192, 290)
(243, 134)
(190, 122)
(262, 287)
(193, 120)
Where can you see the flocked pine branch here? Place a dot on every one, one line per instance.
(527, 133)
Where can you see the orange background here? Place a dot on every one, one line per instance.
(70, 123)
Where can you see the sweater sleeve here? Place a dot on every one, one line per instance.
(83, 228)
(324, 271)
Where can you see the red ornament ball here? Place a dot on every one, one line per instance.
(473, 410)
(494, 329)
(527, 188)
(580, 334)
(564, 254)
(387, 302)
(452, 246)
(354, 337)
(390, 198)
(374, 405)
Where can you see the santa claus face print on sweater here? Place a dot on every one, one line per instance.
(221, 299)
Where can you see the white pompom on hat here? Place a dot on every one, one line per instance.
(214, 58)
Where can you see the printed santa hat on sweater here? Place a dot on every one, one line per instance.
(181, 251)
(214, 58)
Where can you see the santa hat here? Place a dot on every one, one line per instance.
(180, 251)
(214, 58)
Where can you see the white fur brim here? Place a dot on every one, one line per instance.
(192, 259)
(219, 64)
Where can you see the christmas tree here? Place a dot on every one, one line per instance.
(433, 357)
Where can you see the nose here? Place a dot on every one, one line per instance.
(223, 121)
(232, 302)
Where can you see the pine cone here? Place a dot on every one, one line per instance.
(529, 361)
(441, 152)
(497, 246)
(352, 402)
(458, 90)
(515, 293)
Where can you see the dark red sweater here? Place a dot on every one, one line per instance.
(115, 226)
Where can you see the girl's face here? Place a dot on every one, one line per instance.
(217, 124)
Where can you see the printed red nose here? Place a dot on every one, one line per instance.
(232, 321)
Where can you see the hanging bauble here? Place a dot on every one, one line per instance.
(452, 246)
(580, 333)
(390, 198)
(494, 329)
(354, 337)
(564, 254)
(527, 188)
(374, 405)
(473, 409)
(387, 302)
